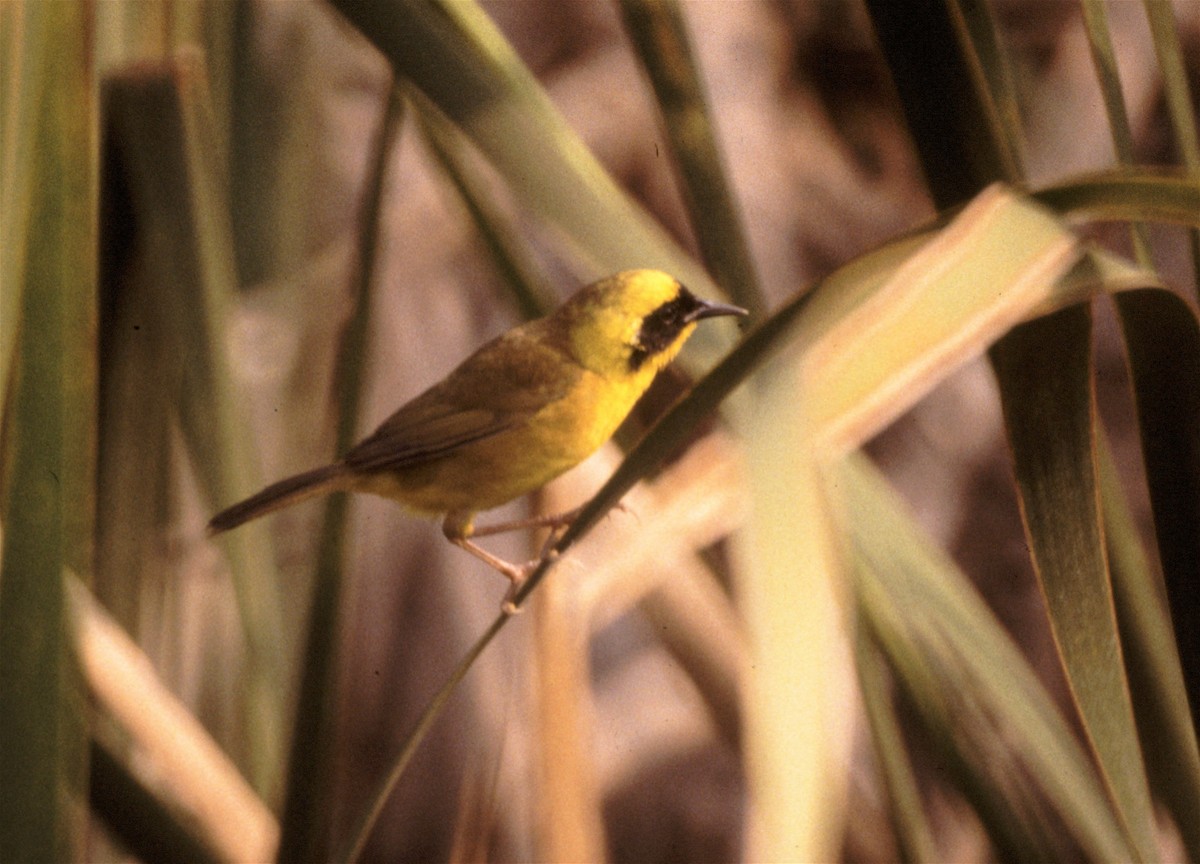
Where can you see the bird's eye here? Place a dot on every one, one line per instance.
(661, 327)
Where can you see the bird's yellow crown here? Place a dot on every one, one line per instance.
(634, 321)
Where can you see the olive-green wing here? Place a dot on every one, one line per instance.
(498, 388)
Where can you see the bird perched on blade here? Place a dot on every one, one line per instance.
(517, 413)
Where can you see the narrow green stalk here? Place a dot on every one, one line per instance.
(509, 250)
(305, 823)
(1104, 58)
(660, 36)
(914, 836)
(1165, 32)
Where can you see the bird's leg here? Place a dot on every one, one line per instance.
(458, 528)
(555, 522)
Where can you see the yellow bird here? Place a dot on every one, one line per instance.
(517, 413)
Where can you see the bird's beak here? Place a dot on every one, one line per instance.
(706, 309)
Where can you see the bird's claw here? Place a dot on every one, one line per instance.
(517, 575)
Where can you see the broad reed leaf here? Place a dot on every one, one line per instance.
(47, 496)
(790, 590)
(982, 706)
(995, 265)
(1163, 342)
(1044, 369)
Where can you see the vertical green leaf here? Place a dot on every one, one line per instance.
(942, 88)
(1178, 95)
(48, 489)
(1044, 371)
(1163, 341)
(660, 37)
(304, 833)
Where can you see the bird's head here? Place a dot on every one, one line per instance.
(634, 321)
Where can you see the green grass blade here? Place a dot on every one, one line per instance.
(305, 826)
(977, 20)
(1155, 674)
(49, 431)
(1044, 369)
(1095, 19)
(1163, 342)
(1127, 194)
(1167, 47)
(659, 35)
(982, 703)
(914, 835)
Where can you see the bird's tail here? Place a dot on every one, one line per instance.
(285, 493)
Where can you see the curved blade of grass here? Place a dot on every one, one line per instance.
(937, 631)
(1127, 194)
(1155, 674)
(996, 264)
(161, 141)
(1163, 342)
(660, 37)
(304, 830)
(914, 835)
(509, 251)
(932, 126)
(1095, 19)
(942, 86)
(49, 434)
(1044, 370)
(1167, 47)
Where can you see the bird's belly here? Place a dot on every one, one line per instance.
(495, 470)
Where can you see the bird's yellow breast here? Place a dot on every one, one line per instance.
(499, 468)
